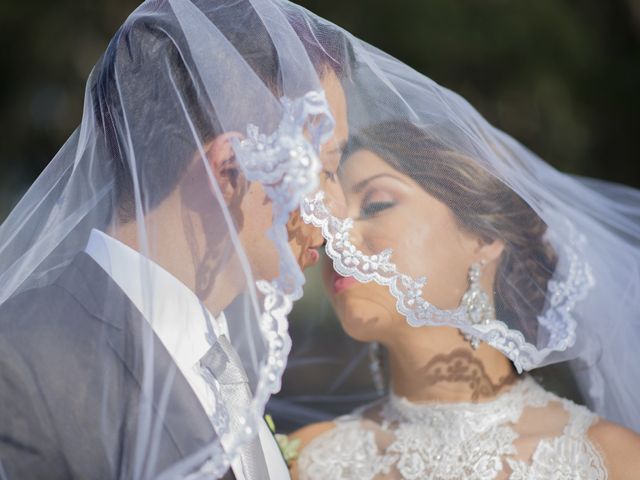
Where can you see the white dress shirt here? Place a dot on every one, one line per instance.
(179, 320)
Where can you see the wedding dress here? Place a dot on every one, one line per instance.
(524, 433)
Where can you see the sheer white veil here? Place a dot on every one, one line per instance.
(180, 75)
(567, 289)
(180, 82)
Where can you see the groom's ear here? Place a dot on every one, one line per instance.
(222, 164)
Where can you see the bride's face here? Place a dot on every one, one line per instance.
(391, 210)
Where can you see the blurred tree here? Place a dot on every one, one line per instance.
(48, 51)
(560, 76)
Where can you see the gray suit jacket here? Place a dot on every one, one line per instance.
(71, 366)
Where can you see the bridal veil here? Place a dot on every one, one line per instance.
(182, 85)
(180, 74)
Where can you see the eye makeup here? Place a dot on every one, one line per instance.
(376, 199)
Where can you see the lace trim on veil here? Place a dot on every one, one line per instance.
(557, 319)
(286, 163)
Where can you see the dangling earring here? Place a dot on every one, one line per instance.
(375, 367)
(476, 302)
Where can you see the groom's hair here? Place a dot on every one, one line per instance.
(145, 93)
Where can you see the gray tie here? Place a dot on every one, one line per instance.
(223, 363)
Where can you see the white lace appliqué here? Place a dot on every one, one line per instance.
(557, 319)
(361, 460)
(571, 456)
(452, 442)
(286, 163)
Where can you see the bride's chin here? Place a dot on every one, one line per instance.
(363, 320)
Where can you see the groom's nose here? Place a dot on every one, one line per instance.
(317, 240)
(335, 199)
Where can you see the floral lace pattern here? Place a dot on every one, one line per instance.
(567, 457)
(557, 319)
(366, 463)
(286, 163)
(453, 441)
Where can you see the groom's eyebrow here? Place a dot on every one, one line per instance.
(343, 145)
(336, 151)
(358, 187)
(339, 149)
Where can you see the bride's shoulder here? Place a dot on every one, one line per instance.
(308, 433)
(304, 436)
(620, 448)
(352, 421)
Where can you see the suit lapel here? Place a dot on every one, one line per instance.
(279, 464)
(173, 406)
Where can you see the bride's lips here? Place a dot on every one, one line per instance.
(340, 283)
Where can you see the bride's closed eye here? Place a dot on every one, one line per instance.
(373, 208)
(375, 203)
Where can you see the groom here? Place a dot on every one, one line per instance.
(73, 370)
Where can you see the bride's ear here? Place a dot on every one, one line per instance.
(489, 250)
(222, 164)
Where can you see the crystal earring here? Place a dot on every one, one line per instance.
(476, 302)
(375, 367)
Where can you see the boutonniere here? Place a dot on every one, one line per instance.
(289, 448)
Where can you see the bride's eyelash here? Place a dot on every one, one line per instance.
(373, 208)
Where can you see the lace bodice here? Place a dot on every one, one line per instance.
(525, 433)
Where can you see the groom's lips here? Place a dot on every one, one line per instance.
(341, 283)
(313, 256)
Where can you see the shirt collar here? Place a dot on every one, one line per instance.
(175, 313)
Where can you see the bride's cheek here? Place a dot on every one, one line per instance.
(379, 237)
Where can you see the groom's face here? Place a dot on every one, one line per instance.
(306, 240)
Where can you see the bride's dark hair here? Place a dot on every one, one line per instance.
(481, 203)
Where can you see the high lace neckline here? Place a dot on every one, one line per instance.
(411, 410)
(460, 416)
(397, 438)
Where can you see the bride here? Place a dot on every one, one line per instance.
(456, 408)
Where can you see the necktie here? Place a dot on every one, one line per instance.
(224, 364)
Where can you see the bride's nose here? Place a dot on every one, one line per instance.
(358, 239)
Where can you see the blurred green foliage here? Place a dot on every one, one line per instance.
(561, 76)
